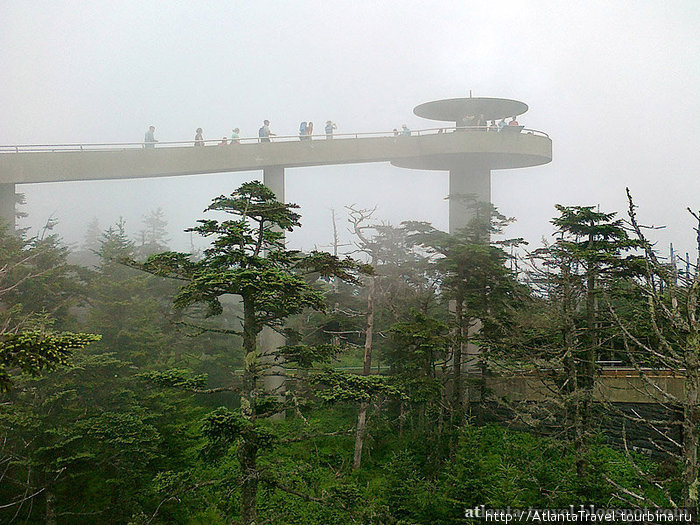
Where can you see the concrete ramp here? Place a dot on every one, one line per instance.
(516, 150)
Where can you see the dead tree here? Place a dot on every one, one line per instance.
(673, 309)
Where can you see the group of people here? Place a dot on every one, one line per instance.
(235, 138)
(405, 132)
(479, 121)
(306, 130)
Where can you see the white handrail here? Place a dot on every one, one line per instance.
(246, 141)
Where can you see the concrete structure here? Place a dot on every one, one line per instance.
(619, 385)
(7, 203)
(269, 340)
(470, 170)
(468, 153)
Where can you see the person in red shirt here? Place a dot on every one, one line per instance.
(513, 122)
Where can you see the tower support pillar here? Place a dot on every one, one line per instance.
(273, 178)
(8, 200)
(269, 340)
(468, 185)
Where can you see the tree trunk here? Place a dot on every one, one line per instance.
(247, 455)
(50, 510)
(360, 436)
(369, 329)
(366, 370)
(591, 354)
(457, 394)
(573, 403)
(248, 451)
(691, 420)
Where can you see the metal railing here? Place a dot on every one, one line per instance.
(247, 141)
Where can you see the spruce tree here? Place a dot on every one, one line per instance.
(248, 258)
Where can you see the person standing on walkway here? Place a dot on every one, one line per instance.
(264, 132)
(405, 131)
(149, 139)
(330, 126)
(309, 130)
(198, 138)
(302, 131)
(235, 136)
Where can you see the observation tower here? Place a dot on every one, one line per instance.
(467, 148)
(483, 148)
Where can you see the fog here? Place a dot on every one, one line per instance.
(614, 85)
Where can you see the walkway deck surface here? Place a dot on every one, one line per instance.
(488, 149)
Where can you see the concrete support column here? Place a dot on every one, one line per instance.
(269, 340)
(465, 182)
(468, 186)
(273, 178)
(8, 200)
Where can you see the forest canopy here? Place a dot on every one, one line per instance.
(422, 375)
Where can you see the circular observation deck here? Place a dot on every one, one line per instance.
(473, 143)
(459, 109)
(481, 149)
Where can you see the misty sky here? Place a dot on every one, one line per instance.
(615, 85)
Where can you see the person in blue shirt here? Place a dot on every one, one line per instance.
(330, 126)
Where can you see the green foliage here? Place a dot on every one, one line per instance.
(329, 266)
(340, 387)
(35, 351)
(176, 378)
(117, 435)
(74, 434)
(225, 427)
(246, 258)
(596, 239)
(305, 355)
(418, 344)
(497, 468)
(154, 236)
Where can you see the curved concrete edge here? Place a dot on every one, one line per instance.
(36, 167)
(495, 151)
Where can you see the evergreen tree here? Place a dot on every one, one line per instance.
(91, 241)
(154, 236)
(476, 279)
(35, 283)
(248, 258)
(562, 329)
